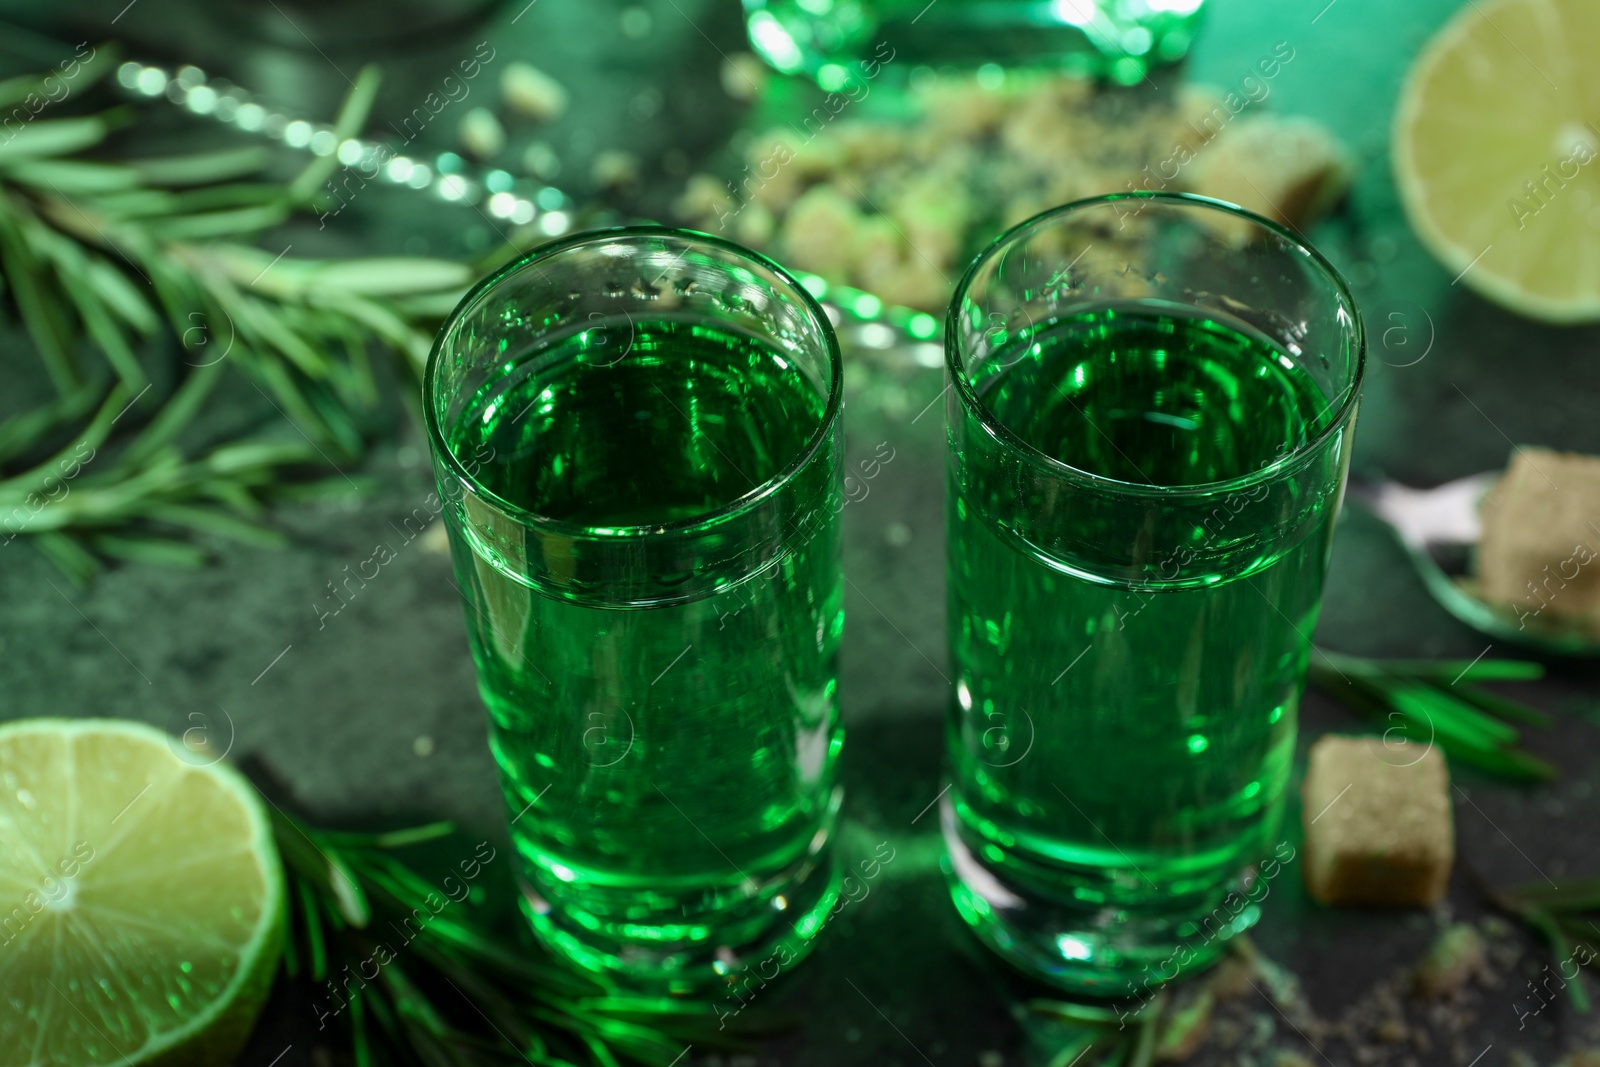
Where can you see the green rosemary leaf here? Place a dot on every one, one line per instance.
(136, 204)
(383, 1014)
(1458, 738)
(352, 117)
(70, 454)
(228, 223)
(243, 456)
(391, 839)
(392, 276)
(1498, 705)
(355, 375)
(173, 418)
(17, 90)
(601, 1054)
(69, 177)
(66, 553)
(347, 892)
(1447, 670)
(1073, 1052)
(1426, 702)
(410, 1002)
(291, 942)
(81, 285)
(202, 168)
(120, 296)
(358, 1029)
(640, 1007)
(311, 920)
(105, 333)
(336, 417)
(290, 400)
(39, 314)
(338, 488)
(299, 851)
(260, 322)
(1560, 949)
(232, 195)
(429, 305)
(1582, 933)
(1081, 1014)
(1144, 1046)
(445, 937)
(53, 137)
(152, 551)
(387, 872)
(1427, 713)
(236, 496)
(647, 1043)
(189, 308)
(375, 316)
(1492, 670)
(217, 523)
(1466, 746)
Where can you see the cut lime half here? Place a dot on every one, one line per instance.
(141, 898)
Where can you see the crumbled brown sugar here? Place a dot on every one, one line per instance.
(897, 205)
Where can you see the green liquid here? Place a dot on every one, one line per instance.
(833, 42)
(673, 762)
(1119, 753)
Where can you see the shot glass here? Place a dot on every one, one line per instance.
(637, 440)
(1149, 426)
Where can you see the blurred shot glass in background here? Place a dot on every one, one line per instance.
(1150, 418)
(637, 437)
(1121, 40)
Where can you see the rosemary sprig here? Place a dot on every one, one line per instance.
(1441, 702)
(119, 252)
(141, 503)
(1565, 915)
(1093, 1036)
(454, 993)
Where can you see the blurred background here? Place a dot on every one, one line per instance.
(873, 146)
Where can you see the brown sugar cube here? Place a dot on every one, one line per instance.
(1288, 169)
(1539, 552)
(1377, 822)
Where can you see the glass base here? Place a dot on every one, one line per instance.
(1099, 950)
(742, 946)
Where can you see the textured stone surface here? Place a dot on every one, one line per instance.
(335, 712)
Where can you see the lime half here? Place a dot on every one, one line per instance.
(141, 898)
(1497, 154)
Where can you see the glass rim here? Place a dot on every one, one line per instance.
(1286, 463)
(746, 501)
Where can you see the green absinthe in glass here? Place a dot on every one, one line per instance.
(843, 41)
(1121, 742)
(669, 744)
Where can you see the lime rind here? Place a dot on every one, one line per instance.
(216, 1032)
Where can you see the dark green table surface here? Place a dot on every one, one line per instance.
(337, 712)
